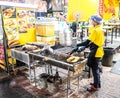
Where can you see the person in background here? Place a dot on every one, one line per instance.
(95, 42)
(74, 28)
(83, 30)
(113, 19)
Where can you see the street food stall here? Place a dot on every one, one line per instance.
(34, 44)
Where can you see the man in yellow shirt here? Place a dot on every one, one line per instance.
(95, 42)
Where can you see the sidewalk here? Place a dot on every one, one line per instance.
(110, 88)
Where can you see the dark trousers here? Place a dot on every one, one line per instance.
(94, 64)
(96, 76)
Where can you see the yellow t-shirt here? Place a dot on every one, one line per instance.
(90, 29)
(97, 37)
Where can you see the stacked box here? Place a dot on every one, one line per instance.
(45, 30)
(48, 40)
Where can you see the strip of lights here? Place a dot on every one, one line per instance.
(22, 5)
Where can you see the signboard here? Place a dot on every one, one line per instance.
(100, 9)
(109, 8)
(19, 24)
(10, 23)
(26, 25)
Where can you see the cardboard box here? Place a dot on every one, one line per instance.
(48, 40)
(45, 30)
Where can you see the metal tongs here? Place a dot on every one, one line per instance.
(47, 50)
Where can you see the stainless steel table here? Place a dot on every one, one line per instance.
(22, 56)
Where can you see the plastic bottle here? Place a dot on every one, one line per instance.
(68, 36)
(62, 34)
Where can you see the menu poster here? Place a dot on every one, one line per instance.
(10, 24)
(1, 43)
(1, 52)
(22, 20)
(30, 19)
(22, 26)
(9, 12)
(19, 23)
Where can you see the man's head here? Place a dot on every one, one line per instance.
(96, 19)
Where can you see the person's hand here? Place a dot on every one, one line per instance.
(82, 48)
(75, 48)
(71, 52)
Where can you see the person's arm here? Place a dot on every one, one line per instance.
(85, 43)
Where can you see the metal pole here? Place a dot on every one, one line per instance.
(78, 82)
(35, 80)
(112, 35)
(68, 83)
(30, 75)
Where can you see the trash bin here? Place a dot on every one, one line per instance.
(108, 56)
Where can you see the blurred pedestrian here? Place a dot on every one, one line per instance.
(113, 19)
(74, 28)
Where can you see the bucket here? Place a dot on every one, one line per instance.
(53, 86)
(43, 80)
(108, 56)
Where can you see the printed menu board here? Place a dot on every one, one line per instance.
(10, 24)
(26, 25)
(26, 19)
(18, 22)
(21, 20)
(30, 19)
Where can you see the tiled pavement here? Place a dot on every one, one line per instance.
(19, 87)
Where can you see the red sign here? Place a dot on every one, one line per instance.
(101, 3)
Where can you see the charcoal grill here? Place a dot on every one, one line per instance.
(58, 58)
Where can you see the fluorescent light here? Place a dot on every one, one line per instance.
(23, 5)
